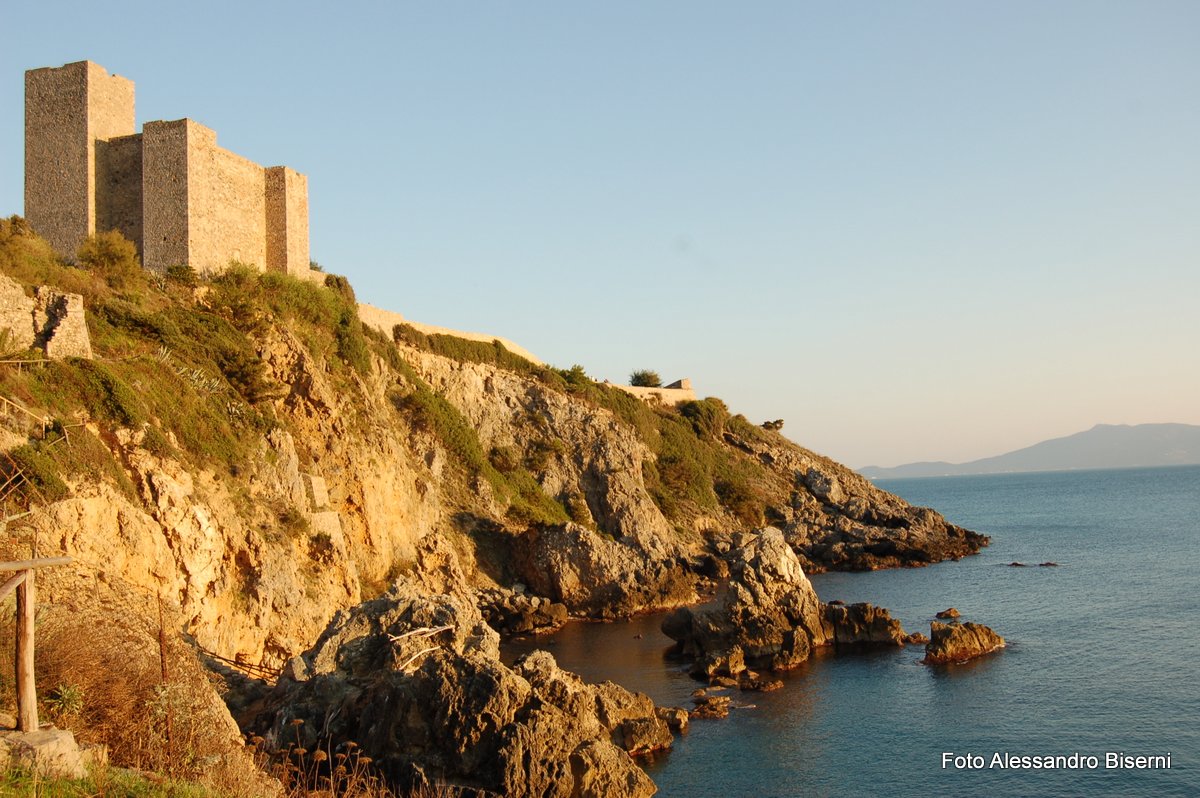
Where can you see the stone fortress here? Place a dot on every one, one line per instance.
(178, 196)
(170, 189)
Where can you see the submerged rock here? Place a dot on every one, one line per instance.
(960, 642)
(713, 706)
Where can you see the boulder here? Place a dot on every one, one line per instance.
(863, 625)
(960, 642)
(949, 613)
(50, 752)
(513, 613)
(915, 639)
(676, 718)
(713, 706)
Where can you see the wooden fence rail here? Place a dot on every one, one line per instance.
(22, 582)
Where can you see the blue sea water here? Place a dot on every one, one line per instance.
(1103, 656)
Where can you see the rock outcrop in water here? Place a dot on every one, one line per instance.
(769, 616)
(862, 626)
(959, 642)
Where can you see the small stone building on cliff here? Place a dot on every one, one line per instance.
(170, 189)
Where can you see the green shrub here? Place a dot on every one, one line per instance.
(707, 417)
(183, 275)
(504, 459)
(33, 474)
(114, 258)
(742, 501)
(645, 379)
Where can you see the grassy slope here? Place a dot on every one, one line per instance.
(176, 358)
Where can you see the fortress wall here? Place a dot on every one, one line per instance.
(287, 221)
(384, 320)
(119, 187)
(165, 194)
(56, 154)
(67, 109)
(226, 205)
(667, 396)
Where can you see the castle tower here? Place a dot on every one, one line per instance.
(287, 221)
(71, 113)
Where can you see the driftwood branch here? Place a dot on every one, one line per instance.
(420, 653)
(423, 632)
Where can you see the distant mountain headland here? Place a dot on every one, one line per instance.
(1102, 446)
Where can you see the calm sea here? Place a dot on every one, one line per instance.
(1103, 656)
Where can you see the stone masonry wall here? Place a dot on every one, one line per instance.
(56, 159)
(287, 221)
(67, 110)
(50, 320)
(60, 324)
(666, 396)
(165, 194)
(119, 187)
(226, 205)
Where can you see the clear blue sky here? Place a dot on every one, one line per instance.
(935, 230)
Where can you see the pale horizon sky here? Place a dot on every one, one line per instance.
(914, 231)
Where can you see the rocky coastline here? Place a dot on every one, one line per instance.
(365, 515)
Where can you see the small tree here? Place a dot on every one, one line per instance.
(644, 378)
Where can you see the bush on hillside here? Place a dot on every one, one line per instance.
(644, 378)
(114, 258)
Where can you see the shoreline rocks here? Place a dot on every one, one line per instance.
(768, 615)
(415, 680)
(959, 642)
(516, 613)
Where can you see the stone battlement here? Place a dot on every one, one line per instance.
(170, 189)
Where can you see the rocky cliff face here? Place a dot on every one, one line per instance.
(243, 451)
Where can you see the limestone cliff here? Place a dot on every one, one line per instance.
(244, 450)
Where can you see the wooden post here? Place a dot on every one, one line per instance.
(27, 711)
